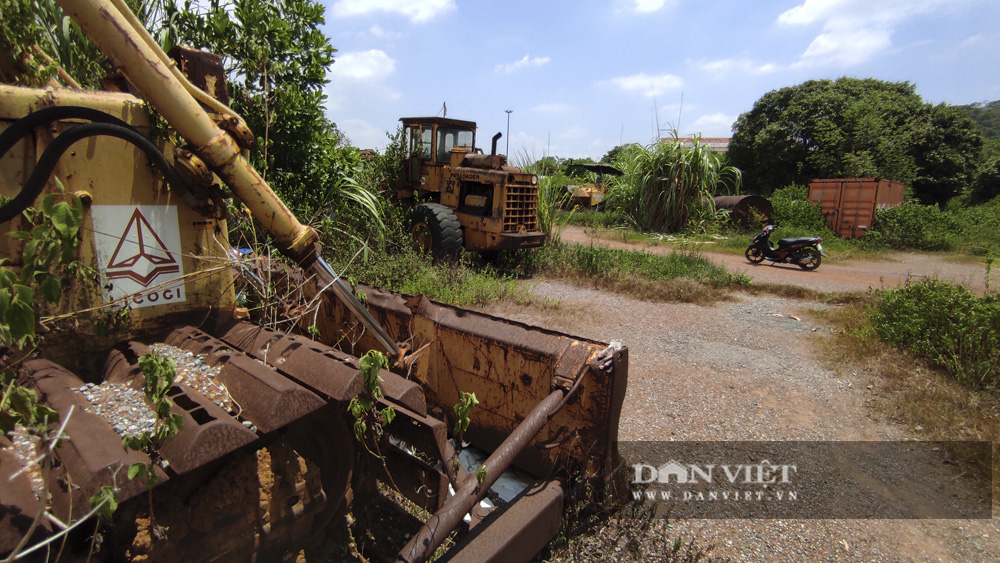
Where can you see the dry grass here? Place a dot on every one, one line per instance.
(909, 390)
(677, 290)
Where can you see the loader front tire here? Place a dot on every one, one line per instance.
(435, 230)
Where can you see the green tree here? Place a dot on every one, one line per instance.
(987, 184)
(612, 155)
(855, 127)
(986, 115)
(276, 61)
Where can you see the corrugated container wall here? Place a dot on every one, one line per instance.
(849, 204)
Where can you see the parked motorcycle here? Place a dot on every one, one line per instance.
(806, 252)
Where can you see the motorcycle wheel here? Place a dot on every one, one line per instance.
(809, 259)
(755, 255)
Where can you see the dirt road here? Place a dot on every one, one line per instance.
(752, 369)
(749, 370)
(832, 276)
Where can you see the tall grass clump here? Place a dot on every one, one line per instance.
(662, 184)
(946, 324)
(552, 195)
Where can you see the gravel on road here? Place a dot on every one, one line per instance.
(750, 369)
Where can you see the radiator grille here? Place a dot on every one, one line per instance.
(521, 209)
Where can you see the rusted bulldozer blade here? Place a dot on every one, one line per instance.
(515, 532)
(511, 367)
(93, 457)
(318, 366)
(265, 398)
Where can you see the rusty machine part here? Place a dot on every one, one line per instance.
(493, 205)
(266, 460)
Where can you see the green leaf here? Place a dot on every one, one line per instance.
(24, 293)
(107, 498)
(51, 288)
(20, 318)
(137, 469)
(65, 221)
(388, 414)
(49, 203)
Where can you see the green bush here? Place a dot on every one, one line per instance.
(946, 324)
(793, 210)
(913, 226)
(979, 227)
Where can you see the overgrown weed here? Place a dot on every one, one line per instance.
(909, 389)
(682, 276)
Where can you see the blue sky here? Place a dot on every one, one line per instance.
(581, 77)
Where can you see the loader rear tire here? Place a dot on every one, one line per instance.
(435, 230)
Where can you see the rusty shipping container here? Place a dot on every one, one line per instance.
(849, 204)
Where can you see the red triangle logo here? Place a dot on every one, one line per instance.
(150, 260)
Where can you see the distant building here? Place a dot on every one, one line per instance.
(719, 144)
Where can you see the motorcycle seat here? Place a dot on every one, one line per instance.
(793, 241)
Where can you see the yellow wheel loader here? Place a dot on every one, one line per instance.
(464, 198)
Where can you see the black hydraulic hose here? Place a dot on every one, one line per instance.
(27, 124)
(46, 164)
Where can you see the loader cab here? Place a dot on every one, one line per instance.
(429, 142)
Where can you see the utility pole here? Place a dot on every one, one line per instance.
(507, 150)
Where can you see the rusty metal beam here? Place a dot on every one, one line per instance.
(437, 528)
(517, 531)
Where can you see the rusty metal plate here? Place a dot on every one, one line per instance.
(93, 454)
(515, 532)
(208, 434)
(208, 431)
(318, 366)
(265, 398)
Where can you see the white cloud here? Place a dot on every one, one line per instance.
(648, 85)
(854, 31)
(713, 125)
(379, 32)
(721, 67)
(362, 66)
(848, 48)
(417, 10)
(527, 61)
(359, 75)
(363, 134)
(975, 39)
(644, 6)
